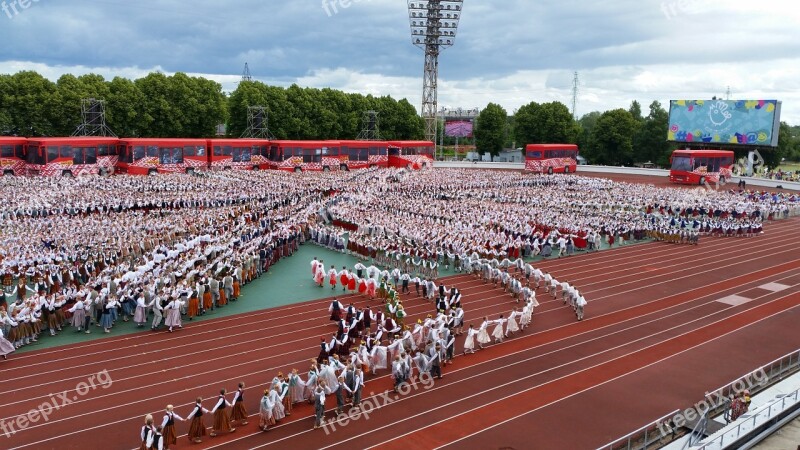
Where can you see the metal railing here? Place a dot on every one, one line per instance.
(774, 371)
(747, 424)
(642, 437)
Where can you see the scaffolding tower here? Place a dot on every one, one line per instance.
(257, 123)
(369, 127)
(93, 113)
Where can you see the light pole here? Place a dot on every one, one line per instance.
(433, 28)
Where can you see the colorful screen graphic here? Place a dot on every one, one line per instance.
(742, 122)
(458, 128)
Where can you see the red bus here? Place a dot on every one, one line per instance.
(699, 166)
(298, 156)
(363, 154)
(411, 154)
(12, 155)
(238, 154)
(551, 158)
(147, 156)
(71, 156)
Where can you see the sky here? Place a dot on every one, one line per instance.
(509, 52)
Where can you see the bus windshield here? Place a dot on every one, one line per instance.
(681, 163)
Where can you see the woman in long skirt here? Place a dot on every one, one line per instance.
(222, 423)
(278, 412)
(512, 322)
(469, 342)
(207, 305)
(147, 430)
(193, 308)
(483, 335)
(173, 318)
(498, 329)
(140, 314)
(197, 428)
(6, 347)
(107, 319)
(265, 418)
(238, 412)
(168, 427)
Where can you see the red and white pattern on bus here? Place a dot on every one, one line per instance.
(374, 160)
(58, 168)
(255, 161)
(14, 165)
(713, 177)
(152, 162)
(543, 165)
(416, 162)
(332, 163)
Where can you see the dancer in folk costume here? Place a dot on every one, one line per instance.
(335, 310)
(525, 317)
(371, 288)
(197, 427)
(173, 311)
(483, 335)
(238, 411)
(297, 387)
(332, 277)
(265, 418)
(6, 347)
(344, 278)
(222, 423)
(362, 286)
(314, 264)
(156, 440)
(319, 277)
(168, 427)
(147, 430)
(353, 283)
(469, 341)
(512, 326)
(278, 412)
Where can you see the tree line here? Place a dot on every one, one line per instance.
(179, 105)
(615, 137)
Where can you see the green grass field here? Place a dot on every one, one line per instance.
(789, 166)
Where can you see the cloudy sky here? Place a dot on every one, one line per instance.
(509, 52)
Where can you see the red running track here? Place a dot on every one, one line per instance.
(653, 320)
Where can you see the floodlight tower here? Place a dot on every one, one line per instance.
(433, 28)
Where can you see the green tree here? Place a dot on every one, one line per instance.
(612, 138)
(544, 123)
(650, 142)
(774, 156)
(636, 110)
(490, 130)
(28, 104)
(124, 108)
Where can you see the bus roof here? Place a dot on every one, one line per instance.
(685, 152)
(305, 143)
(411, 143)
(550, 146)
(239, 141)
(173, 141)
(364, 143)
(77, 140)
(13, 140)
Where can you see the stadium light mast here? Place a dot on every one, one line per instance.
(433, 28)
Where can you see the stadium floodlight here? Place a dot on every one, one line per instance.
(433, 28)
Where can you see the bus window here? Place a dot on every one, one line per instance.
(177, 155)
(247, 154)
(189, 150)
(700, 162)
(201, 150)
(227, 150)
(52, 153)
(152, 151)
(7, 151)
(90, 155)
(138, 153)
(217, 150)
(20, 151)
(164, 156)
